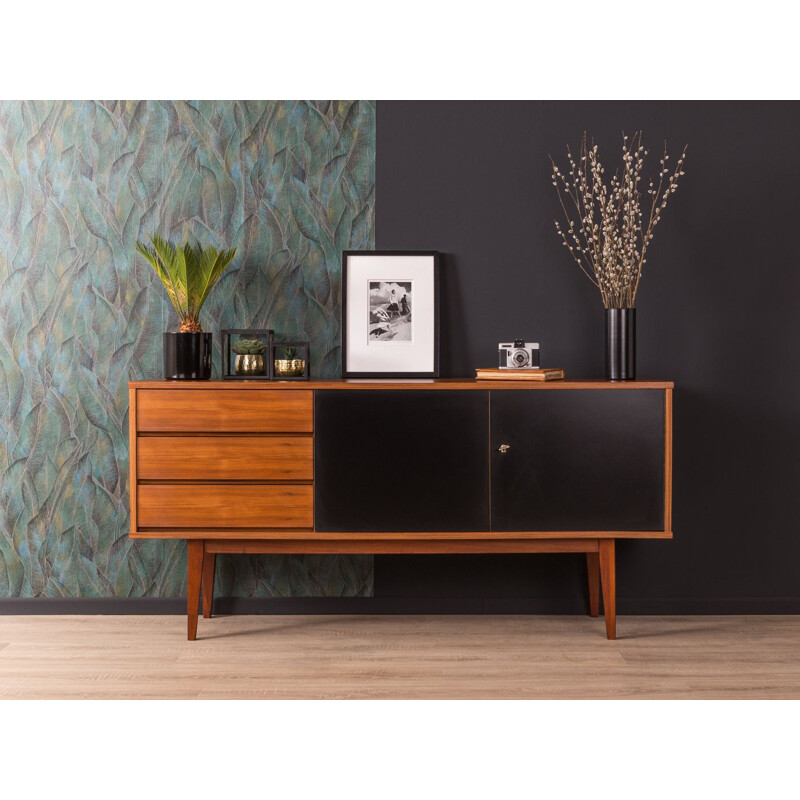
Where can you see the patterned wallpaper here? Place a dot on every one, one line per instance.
(290, 184)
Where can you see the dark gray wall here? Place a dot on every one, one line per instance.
(717, 312)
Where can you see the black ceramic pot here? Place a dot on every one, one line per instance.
(621, 344)
(187, 356)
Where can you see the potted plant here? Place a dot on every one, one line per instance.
(290, 366)
(249, 357)
(608, 234)
(188, 274)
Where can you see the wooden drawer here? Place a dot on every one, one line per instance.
(225, 506)
(224, 410)
(221, 458)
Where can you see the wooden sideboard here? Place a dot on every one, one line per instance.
(392, 466)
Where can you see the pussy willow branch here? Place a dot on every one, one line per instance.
(605, 231)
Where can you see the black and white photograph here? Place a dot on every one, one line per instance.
(390, 311)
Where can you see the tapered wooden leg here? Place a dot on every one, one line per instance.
(194, 550)
(209, 564)
(593, 568)
(608, 578)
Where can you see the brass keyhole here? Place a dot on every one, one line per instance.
(504, 448)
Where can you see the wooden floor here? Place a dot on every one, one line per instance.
(457, 657)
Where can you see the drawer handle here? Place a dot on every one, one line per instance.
(504, 448)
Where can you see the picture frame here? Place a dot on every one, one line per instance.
(229, 357)
(390, 314)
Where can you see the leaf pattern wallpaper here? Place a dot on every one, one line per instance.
(290, 184)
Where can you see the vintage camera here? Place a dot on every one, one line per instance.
(519, 354)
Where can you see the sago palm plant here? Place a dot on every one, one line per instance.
(188, 274)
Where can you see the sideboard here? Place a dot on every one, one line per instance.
(401, 466)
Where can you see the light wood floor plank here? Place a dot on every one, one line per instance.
(443, 657)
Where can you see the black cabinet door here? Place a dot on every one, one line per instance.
(589, 459)
(397, 460)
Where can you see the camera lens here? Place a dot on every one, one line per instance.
(520, 358)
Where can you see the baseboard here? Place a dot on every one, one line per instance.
(708, 605)
(398, 605)
(92, 605)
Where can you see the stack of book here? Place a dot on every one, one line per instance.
(497, 374)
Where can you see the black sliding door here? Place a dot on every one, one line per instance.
(590, 459)
(401, 460)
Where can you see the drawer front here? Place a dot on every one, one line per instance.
(220, 506)
(224, 410)
(226, 458)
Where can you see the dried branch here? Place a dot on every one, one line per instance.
(605, 231)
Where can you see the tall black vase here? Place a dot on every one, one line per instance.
(621, 344)
(187, 356)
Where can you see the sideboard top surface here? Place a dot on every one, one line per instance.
(395, 383)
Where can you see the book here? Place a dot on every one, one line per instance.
(497, 374)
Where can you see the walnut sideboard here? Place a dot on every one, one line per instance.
(391, 466)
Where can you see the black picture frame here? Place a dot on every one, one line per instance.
(434, 373)
(227, 369)
(305, 350)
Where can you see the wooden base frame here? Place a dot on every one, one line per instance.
(600, 562)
